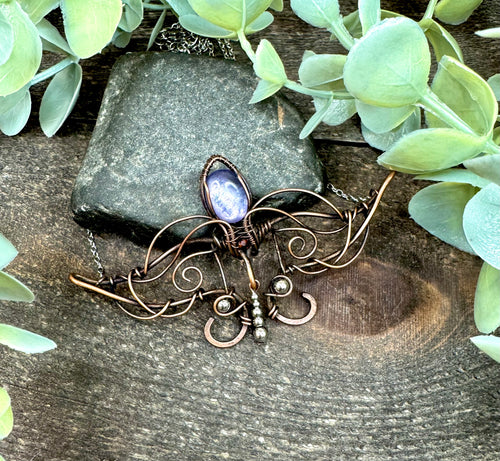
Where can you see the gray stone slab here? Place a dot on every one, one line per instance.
(163, 115)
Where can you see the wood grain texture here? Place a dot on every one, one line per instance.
(384, 371)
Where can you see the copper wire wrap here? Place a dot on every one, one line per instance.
(295, 238)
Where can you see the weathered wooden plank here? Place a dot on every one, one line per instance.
(385, 370)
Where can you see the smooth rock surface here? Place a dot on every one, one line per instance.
(163, 115)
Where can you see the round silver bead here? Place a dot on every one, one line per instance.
(258, 322)
(257, 312)
(224, 305)
(260, 334)
(281, 286)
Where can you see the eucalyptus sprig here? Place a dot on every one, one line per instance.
(25, 33)
(13, 337)
(384, 78)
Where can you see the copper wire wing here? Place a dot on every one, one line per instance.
(301, 252)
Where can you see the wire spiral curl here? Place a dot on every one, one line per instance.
(300, 252)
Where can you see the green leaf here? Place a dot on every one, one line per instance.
(11, 100)
(494, 82)
(14, 120)
(369, 14)
(7, 252)
(51, 35)
(382, 119)
(181, 7)
(455, 11)
(263, 21)
(24, 341)
(90, 25)
(60, 98)
(487, 300)
(390, 65)
(486, 166)
(132, 15)
(37, 9)
(26, 55)
(121, 38)
(13, 290)
(489, 345)
(384, 141)
(439, 209)
(7, 34)
(201, 26)
(339, 110)
(441, 40)
(156, 29)
(6, 417)
(277, 5)
(264, 90)
(322, 71)
(456, 175)
(268, 65)
(315, 120)
(494, 32)
(318, 13)
(232, 15)
(466, 93)
(482, 224)
(352, 22)
(431, 149)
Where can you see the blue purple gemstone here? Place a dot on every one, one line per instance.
(227, 195)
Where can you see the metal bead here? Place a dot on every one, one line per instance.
(258, 322)
(260, 334)
(224, 305)
(257, 312)
(281, 286)
(255, 296)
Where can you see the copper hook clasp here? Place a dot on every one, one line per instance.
(274, 314)
(224, 344)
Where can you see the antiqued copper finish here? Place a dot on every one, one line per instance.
(300, 252)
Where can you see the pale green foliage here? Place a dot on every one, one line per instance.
(318, 13)
(395, 55)
(467, 94)
(494, 32)
(431, 149)
(21, 64)
(443, 43)
(13, 337)
(487, 166)
(482, 224)
(439, 208)
(455, 11)
(6, 417)
(90, 25)
(487, 302)
(489, 345)
(59, 98)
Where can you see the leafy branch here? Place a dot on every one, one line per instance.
(13, 337)
(384, 78)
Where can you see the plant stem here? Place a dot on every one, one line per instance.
(246, 45)
(51, 71)
(431, 103)
(429, 12)
(154, 6)
(343, 36)
(318, 93)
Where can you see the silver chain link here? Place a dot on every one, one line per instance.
(95, 253)
(350, 198)
(177, 39)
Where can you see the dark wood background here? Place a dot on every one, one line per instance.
(384, 371)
